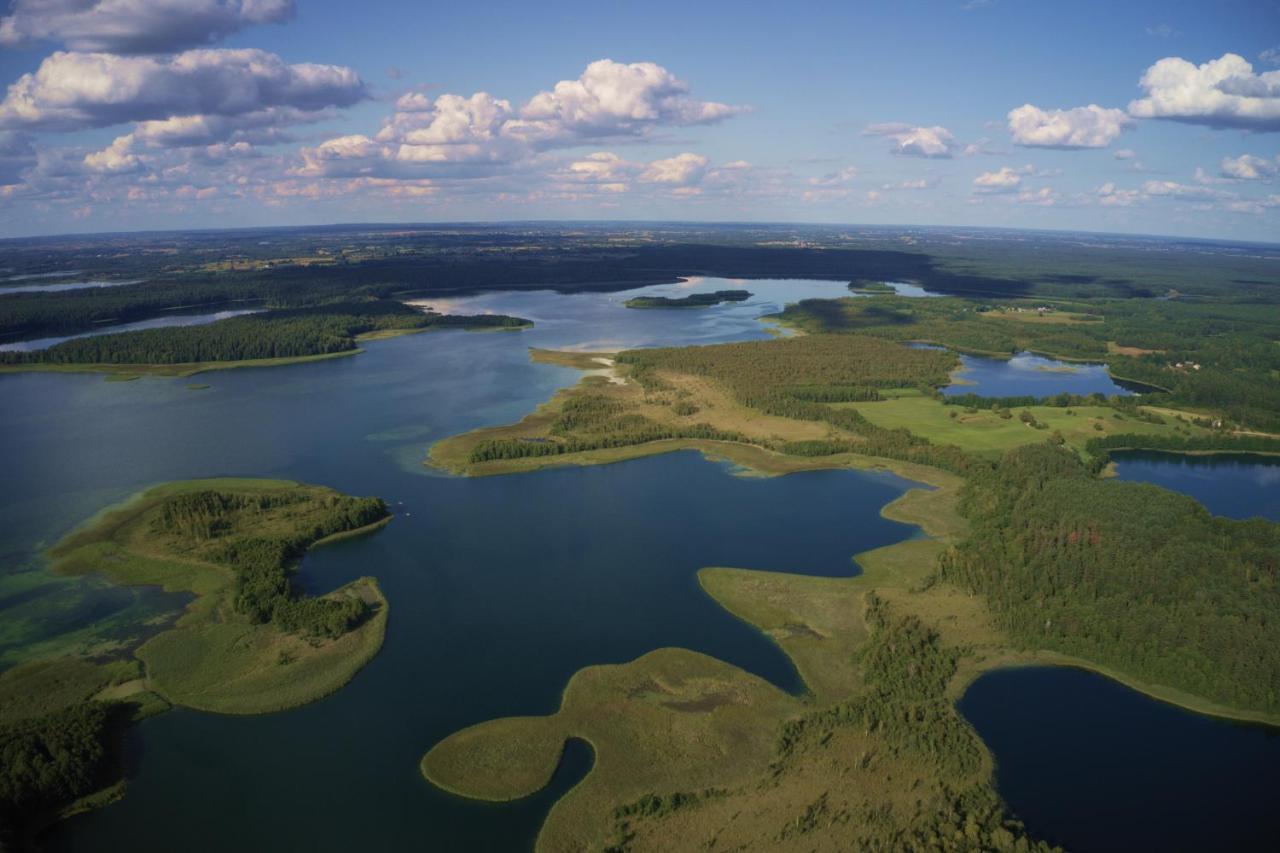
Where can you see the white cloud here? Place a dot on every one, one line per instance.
(1247, 167)
(681, 170)
(1003, 180)
(1223, 92)
(481, 134)
(1081, 127)
(1162, 31)
(612, 99)
(72, 91)
(1270, 56)
(1110, 195)
(916, 141)
(116, 158)
(135, 26)
(1043, 197)
(1125, 154)
(1183, 192)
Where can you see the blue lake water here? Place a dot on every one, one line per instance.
(500, 588)
(1031, 375)
(1094, 766)
(153, 323)
(1234, 485)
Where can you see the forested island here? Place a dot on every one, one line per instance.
(693, 300)
(249, 642)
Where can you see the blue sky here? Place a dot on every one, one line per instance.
(1139, 117)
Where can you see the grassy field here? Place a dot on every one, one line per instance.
(214, 658)
(984, 431)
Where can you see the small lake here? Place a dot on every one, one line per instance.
(1234, 485)
(1094, 766)
(153, 323)
(1030, 375)
(5, 290)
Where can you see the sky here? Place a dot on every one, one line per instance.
(1141, 117)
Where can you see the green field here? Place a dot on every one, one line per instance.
(985, 432)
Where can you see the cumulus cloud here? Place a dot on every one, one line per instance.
(72, 91)
(1043, 197)
(1081, 127)
(117, 158)
(613, 99)
(1247, 167)
(835, 179)
(1003, 180)
(681, 170)
(1221, 93)
(916, 141)
(135, 26)
(1109, 195)
(609, 101)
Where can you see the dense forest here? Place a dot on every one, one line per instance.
(1129, 575)
(225, 528)
(287, 333)
(55, 759)
(693, 300)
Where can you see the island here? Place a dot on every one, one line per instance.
(248, 642)
(693, 300)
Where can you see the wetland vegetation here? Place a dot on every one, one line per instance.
(249, 641)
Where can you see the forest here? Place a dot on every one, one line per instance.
(1128, 575)
(1233, 344)
(54, 759)
(287, 333)
(223, 527)
(693, 300)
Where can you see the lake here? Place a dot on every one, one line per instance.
(500, 588)
(1026, 374)
(1234, 485)
(1094, 766)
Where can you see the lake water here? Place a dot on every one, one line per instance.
(1234, 485)
(500, 588)
(153, 323)
(1094, 766)
(1030, 375)
(56, 288)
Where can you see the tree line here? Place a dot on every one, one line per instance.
(1129, 575)
(288, 333)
